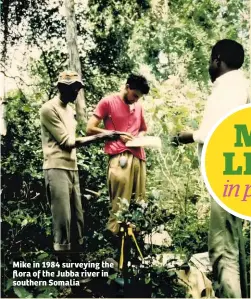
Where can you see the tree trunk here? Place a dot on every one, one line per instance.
(74, 61)
(3, 123)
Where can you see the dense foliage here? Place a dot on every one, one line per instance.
(169, 42)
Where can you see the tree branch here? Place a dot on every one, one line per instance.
(15, 77)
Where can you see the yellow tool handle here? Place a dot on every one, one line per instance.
(121, 260)
(130, 233)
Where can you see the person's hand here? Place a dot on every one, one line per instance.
(100, 137)
(126, 138)
(175, 141)
(185, 137)
(182, 138)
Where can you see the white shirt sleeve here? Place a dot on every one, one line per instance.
(223, 99)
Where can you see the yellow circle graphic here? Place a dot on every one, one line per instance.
(226, 162)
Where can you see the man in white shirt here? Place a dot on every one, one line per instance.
(225, 244)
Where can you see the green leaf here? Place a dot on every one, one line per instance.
(100, 237)
(21, 292)
(9, 284)
(44, 295)
(113, 276)
(26, 108)
(47, 292)
(42, 256)
(24, 222)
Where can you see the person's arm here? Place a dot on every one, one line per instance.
(100, 113)
(93, 129)
(198, 136)
(210, 116)
(221, 102)
(49, 118)
(143, 127)
(185, 137)
(82, 141)
(53, 124)
(93, 126)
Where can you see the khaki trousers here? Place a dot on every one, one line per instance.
(63, 193)
(227, 253)
(126, 182)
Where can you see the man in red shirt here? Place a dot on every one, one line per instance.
(127, 169)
